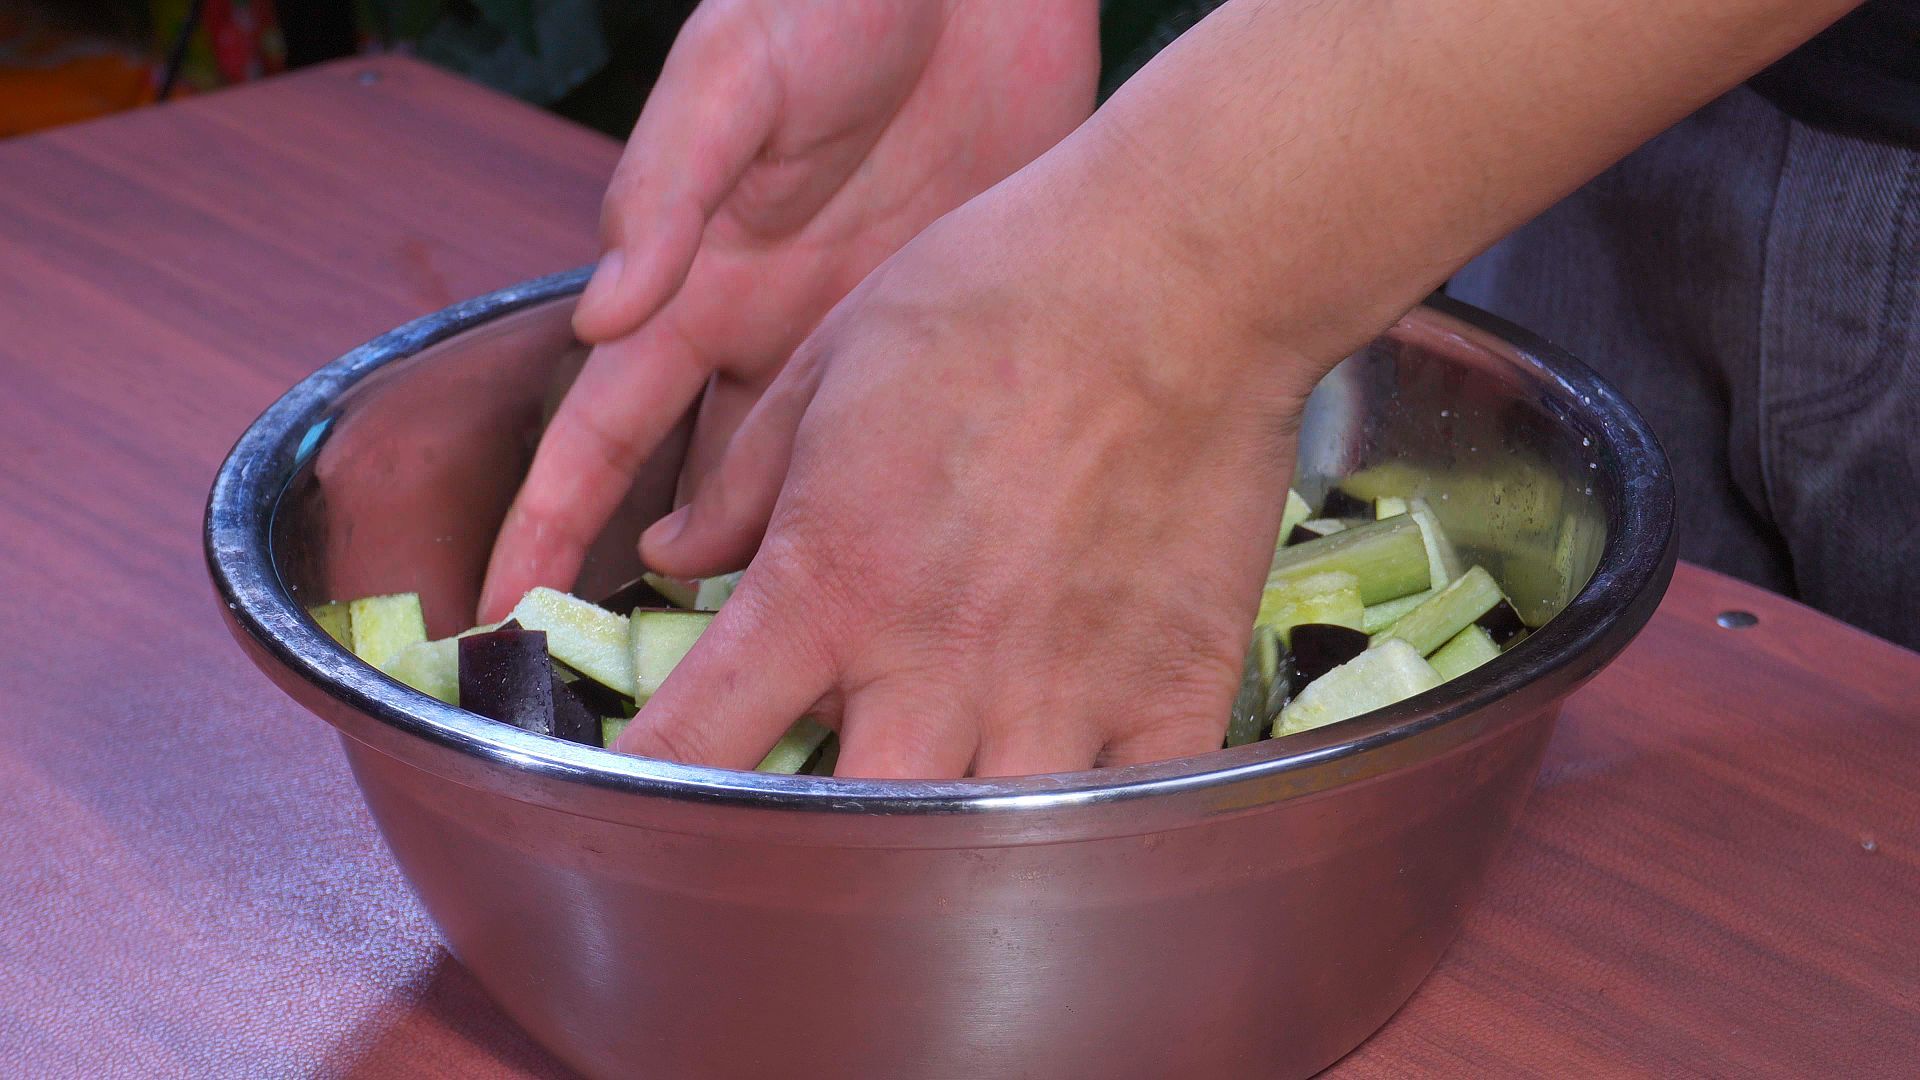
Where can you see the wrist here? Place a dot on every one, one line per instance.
(1137, 250)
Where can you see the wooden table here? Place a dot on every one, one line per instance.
(1720, 872)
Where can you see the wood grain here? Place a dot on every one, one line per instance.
(1719, 874)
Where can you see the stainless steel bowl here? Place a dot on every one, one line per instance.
(1254, 912)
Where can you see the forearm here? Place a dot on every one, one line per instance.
(1317, 166)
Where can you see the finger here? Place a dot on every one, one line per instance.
(723, 525)
(902, 728)
(743, 684)
(1194, 731)
(707, 117)
(723, 408)
(628, 396)
(1195, 674)
(1029, 750)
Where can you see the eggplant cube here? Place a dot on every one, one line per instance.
(586, 637)
(505, 676)
(383, 625)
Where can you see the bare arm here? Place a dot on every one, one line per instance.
(1328, 162)
(1013, 500)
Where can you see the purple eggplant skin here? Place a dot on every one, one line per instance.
(599, 700)
(572, 719)
(1339, 504)
(634, 594)
(1320, 647)
(505, 676)
(1502, 623)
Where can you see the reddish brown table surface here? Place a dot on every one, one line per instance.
(1719, 872)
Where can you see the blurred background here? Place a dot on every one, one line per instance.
(63, 61)
(592, 61)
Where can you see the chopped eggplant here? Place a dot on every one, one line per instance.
(1251, 717)
(586, 637)
(660, 640)
(1376, 678)
(1386, 478)
(1332, 597)
(1446, 612)
(431, 667)
(1296, 512)
(383, 625)
(714, 591)
(1268, 654)
(1502, 623)
(1280, 687)
(634, 594)
(1382, 615)
(1340, 504)
(1249, 705)
(679, 593)
(1465, 651)
(796, 747)
(572, 719)
(826, 759)
(504, 675)
(1389, 558)
(1320, 647)
(610, 729)
(1443, 563)
(598, 699)
(333, 618)
(1364, 605)
(1314, 528)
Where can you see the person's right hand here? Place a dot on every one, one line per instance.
(787, 149)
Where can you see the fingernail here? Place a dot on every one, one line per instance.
(667, 529)
(605, 280)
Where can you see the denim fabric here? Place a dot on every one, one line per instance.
(1753, 285)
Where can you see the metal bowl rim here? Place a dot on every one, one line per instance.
(1577, 642)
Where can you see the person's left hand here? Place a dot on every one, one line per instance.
(787, 149)
(1018, 492)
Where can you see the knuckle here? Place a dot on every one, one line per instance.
(1194, 665)
(910, 734)
(1163, 740)
(616, 446)
(965, 619)
(772, 603)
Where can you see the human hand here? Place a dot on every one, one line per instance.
(1018, 489)
(1019, 492)
(786, 150)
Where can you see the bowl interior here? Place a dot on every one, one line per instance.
(390, 470)
(407, 477)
